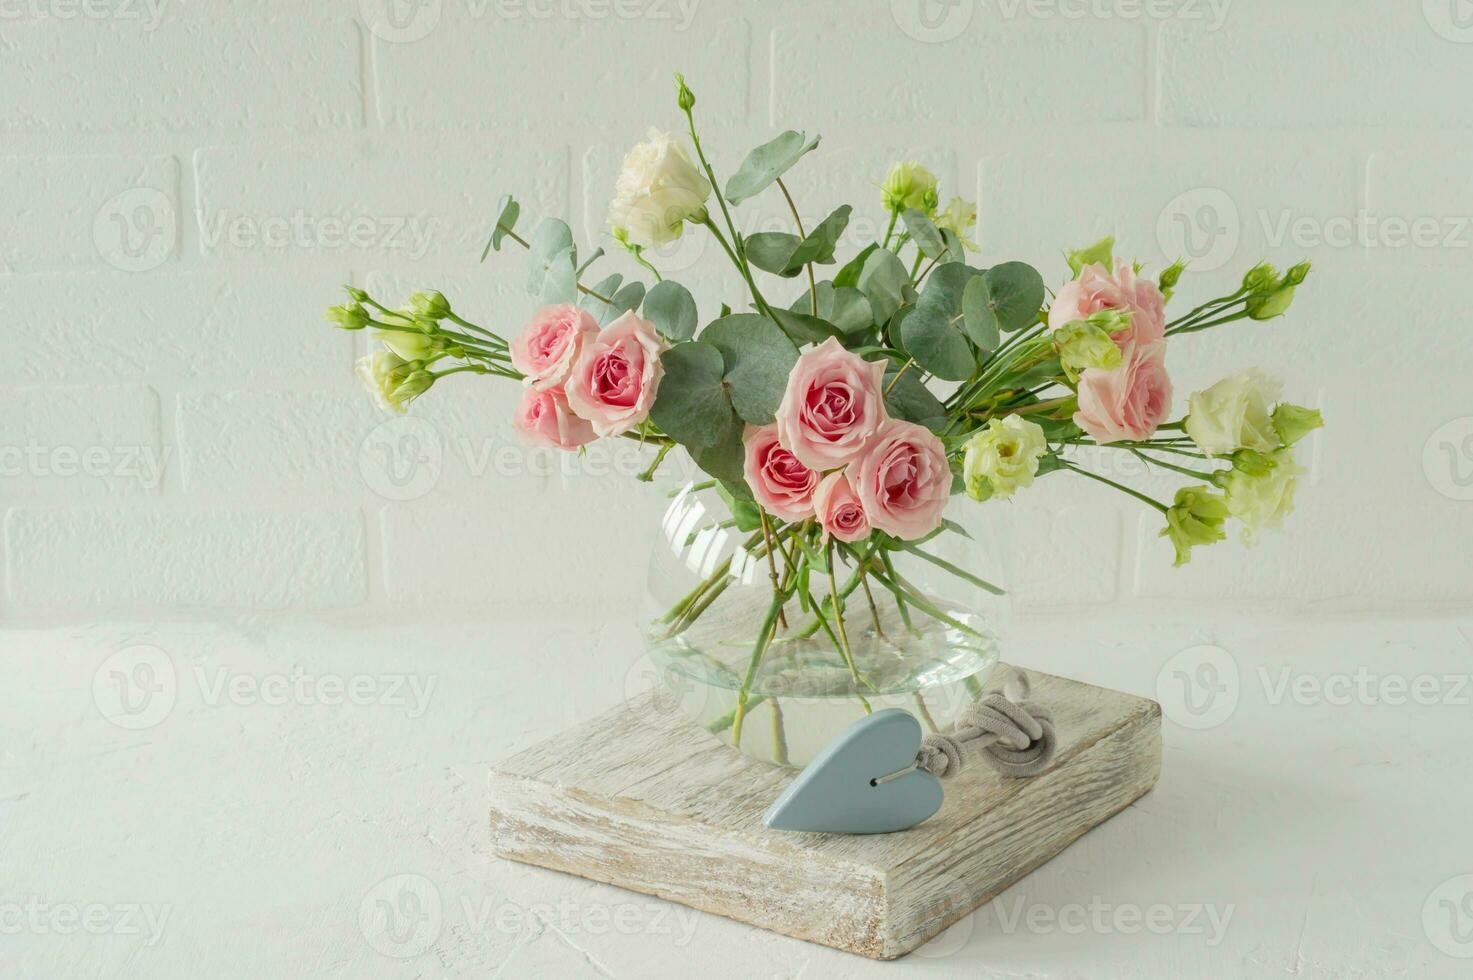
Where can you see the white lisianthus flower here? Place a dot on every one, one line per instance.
(410, 343)
(1260, 489)
(393, 381)
(1234, 414)
(658, 190)
(959, 217)
(1003, 457)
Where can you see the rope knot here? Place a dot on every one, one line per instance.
(1017, 736)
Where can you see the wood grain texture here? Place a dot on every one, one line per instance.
(641, 799)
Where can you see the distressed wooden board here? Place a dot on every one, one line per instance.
(641, 799)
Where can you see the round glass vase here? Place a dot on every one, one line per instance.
(919, 632)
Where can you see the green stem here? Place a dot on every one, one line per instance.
(812, 282)
(741, 266)
(890, 229)
(649, 474)
(764, 638)
(1121, 487)
(1172, 466)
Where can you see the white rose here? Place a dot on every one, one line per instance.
(1003, 457)
(1234, 414)
(659, 188)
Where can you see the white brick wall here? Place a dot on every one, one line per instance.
(184, 184)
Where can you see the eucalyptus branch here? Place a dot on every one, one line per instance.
(528, 246)
(812, 282)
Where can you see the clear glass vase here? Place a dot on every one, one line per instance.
(709, 602)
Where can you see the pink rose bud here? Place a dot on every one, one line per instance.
(833, 404)
(1097, 290)
(1129, 400)
(613, 383)
(780, 484)
(547, 350)
(839, 510)
(903, 480)
(544, 419)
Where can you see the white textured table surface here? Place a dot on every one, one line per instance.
(310, 800)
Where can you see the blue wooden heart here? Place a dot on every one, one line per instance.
(838, 792)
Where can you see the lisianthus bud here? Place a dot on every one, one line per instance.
(1089, 343)
(1170, 276)
(1101, 252)
(349, 316)
(1266, 306)
(1194, 518)
(431, 305)
(1292, 422)
(410, 346)
(959, 217)
(415, 384)
(1233, 414)
(356, 295)
(659, 189)
(1261, 278)
(684, 97)
(909, 185)
(1260, 489)
(1003, 457)
(1297, 274)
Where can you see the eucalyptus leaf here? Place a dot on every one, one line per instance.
(626, 299)
(818, 246)
(849, 274)
(507, 212)
(804, 328)
(772, 251)
(758, 357)
(598, 253)
(559, 280)
(843, 306)
(604, 287)
(977, 316)
(1016, 294)
(549, 243)
(937, 345)
(672, 309)
(723, 459)
(744, 510)
(955, 251)
(927, 237)
(692, 406)
(766, 164)
(909, 399)
(882, 280)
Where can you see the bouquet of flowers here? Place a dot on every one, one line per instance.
(836, 422)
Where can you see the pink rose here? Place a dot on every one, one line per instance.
(832, 405)
(839, 509)
(1096, 290)
(903, 480)
(547, 350)
(613, 383)
(1129, 400)
(544, 419)
(781, 484)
